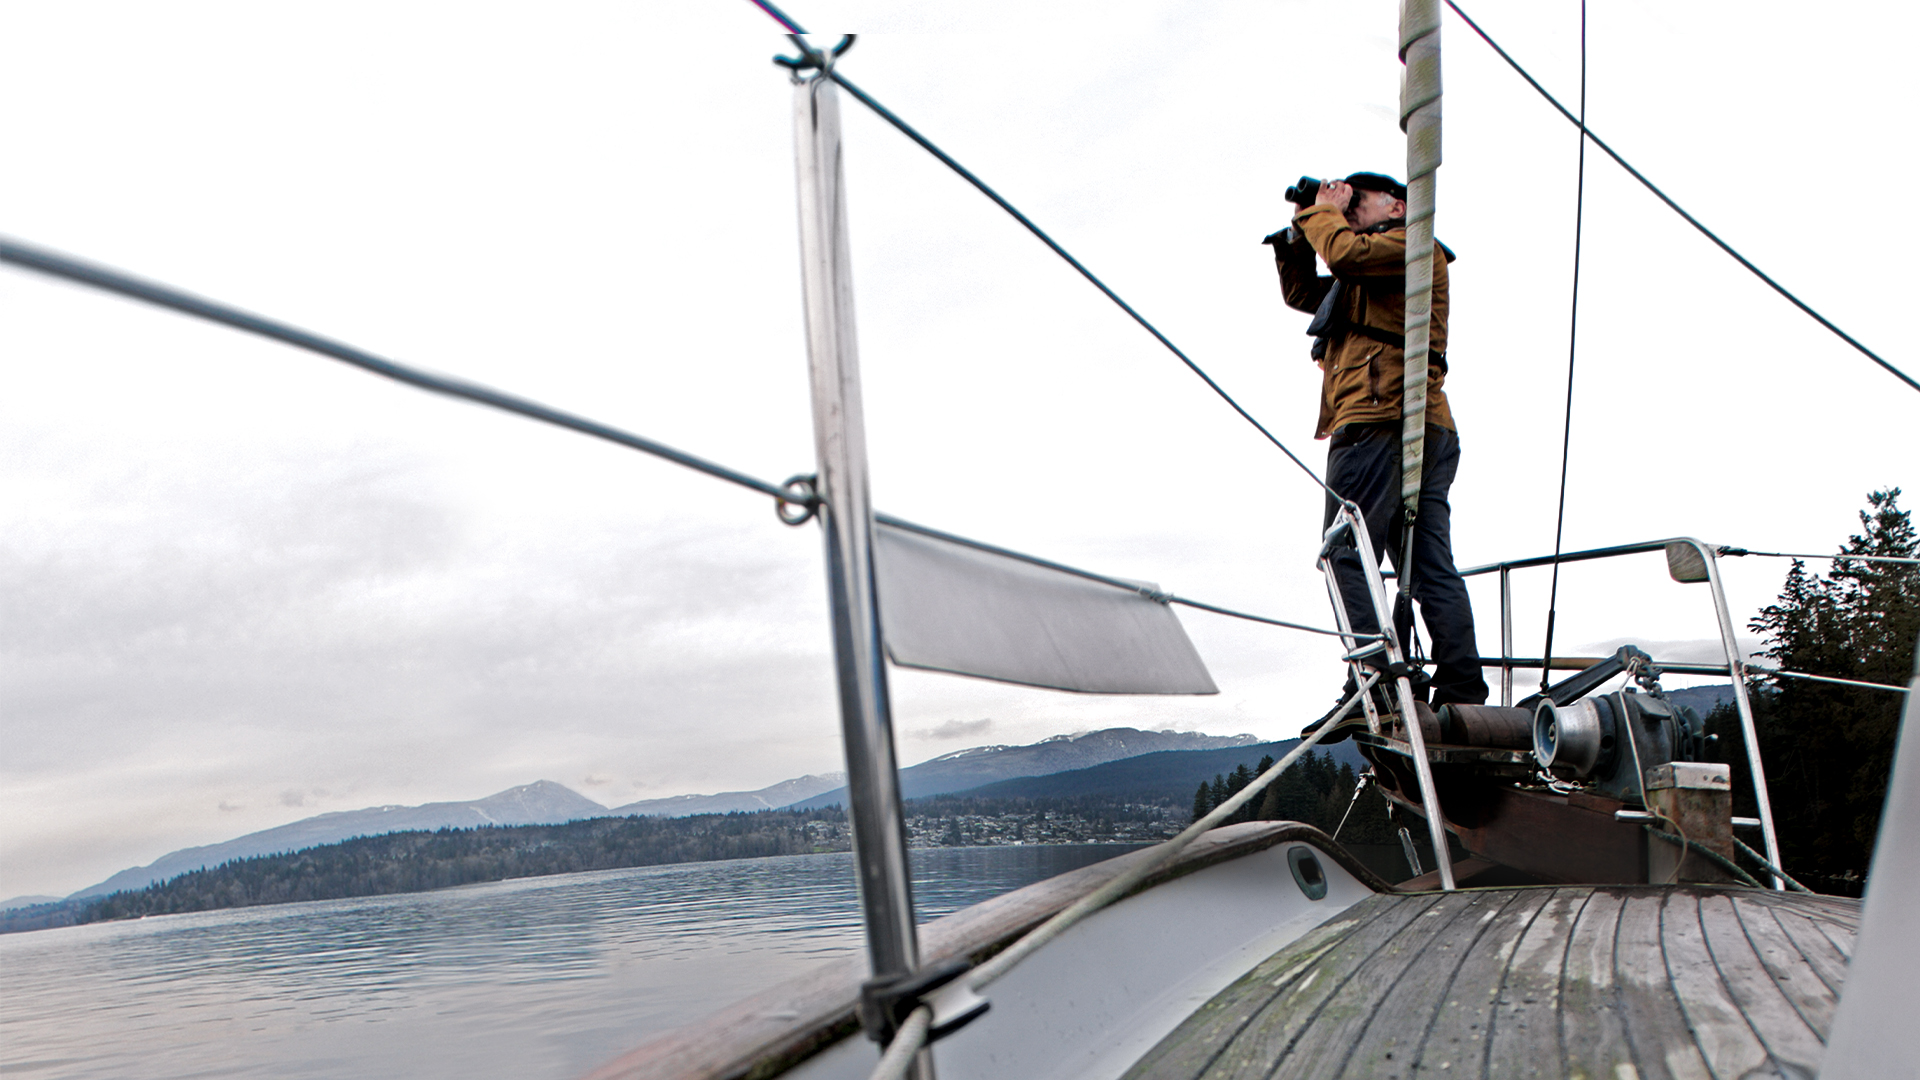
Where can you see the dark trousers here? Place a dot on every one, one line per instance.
(1363, 465)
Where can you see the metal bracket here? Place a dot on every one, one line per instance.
(886, 1003)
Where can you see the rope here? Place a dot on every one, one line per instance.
(927, 144)
(1120, 886)
(1634, 668)
(1420, 111)
(906, 1045)
(1573, 338)
(1710, 855)
(1675, 207)
(1769, 867)
(51, 264)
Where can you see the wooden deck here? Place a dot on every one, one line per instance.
(1609, 983)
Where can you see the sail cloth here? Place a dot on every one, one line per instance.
(951, 605)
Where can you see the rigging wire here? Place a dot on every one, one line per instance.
(794, 492)
(1775, 673)
(1837, 558)
(966, 174)
(778, 16)
(53, 264)
(1573, 339)
(927, 144)
(1675, 207)
(1118, 583)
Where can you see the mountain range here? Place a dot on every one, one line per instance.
(547, 803)
(540, 803)
(1171, 774)
(1113, 761)
(966, 769)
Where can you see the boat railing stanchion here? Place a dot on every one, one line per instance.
(1749, 732)
(1506, 635)
(1396, 660)
(1343, 624)
(846, 518)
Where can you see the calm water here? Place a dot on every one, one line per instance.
(539, 978)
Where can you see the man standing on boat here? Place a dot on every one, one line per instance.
(1357, 226)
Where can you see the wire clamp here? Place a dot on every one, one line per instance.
(812, 59)
(803, 497)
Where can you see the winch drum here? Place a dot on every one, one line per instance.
(1570, 740)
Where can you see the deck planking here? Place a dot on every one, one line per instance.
(1593, 1033)
(1583, 983)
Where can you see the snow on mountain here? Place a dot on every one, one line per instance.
(540, 803)
(781, 794)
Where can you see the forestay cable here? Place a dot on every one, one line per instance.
(1675, 207)
(927, 144)
(966, 174)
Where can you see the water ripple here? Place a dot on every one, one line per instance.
(541, 977)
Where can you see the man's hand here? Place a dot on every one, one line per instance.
(1334, 193)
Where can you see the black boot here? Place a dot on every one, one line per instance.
(1355, 721)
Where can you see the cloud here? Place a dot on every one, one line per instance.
(957, 729)
(1677, 651)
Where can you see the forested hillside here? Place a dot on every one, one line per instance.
(1317, 791)
(419, 861)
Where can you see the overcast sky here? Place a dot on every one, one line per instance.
(245, 584)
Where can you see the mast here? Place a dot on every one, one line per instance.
(1420, 119)
(846, 516)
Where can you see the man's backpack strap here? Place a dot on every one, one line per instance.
(1436, 358)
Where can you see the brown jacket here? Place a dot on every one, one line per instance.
(1361, 378)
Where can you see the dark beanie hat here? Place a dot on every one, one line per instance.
(1373, 181)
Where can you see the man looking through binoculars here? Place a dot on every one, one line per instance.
(1357, 226)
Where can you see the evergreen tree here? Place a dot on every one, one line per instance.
(1828, 750)
(1202, 801)
(1237, 782)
